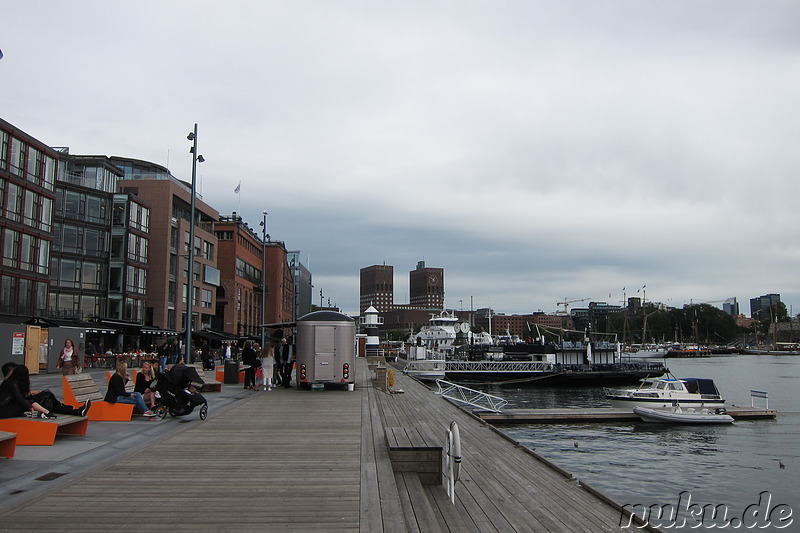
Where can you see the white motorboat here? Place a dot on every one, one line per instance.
(663, 392)
(677, 415)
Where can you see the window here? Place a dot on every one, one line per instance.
(17, 156)
(14, 202)
(50, 169)
(43, 264)
(118, 215)
(8, 295)
(27, 256)
(208, 250)
(10, 248)
(95, 209)
(46, 214)
(3, 149)
(34, 173)
(31, 213)
(206, 299)
(25, 304)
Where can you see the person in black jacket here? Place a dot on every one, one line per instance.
(250, 359)
(16, 397)
(116, 392)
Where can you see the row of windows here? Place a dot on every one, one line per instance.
(247, 271)
(138, 216)
(19, 296)
(27, 162)
(78, 274)
(81, 240)
(76, 305)
(25, 252)
(26, 206)
(78, 205)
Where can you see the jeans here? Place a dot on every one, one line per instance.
(135, 398)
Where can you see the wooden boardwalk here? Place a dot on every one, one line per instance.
(319, 461)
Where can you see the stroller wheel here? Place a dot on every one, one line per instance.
(174, 412)
(161, 412)
(204, 412)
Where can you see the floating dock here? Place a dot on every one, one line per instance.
(599, 414)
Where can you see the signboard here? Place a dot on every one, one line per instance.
(18, 344)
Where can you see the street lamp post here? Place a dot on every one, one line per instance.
(263, 279)
(190, 282)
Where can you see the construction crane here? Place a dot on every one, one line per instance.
(566, 303)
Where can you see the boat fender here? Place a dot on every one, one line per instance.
(721, 411)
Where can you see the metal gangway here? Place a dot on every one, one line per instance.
(472, 397)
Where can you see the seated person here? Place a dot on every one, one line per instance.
(116, 392)
(144, 380)
(16, 397)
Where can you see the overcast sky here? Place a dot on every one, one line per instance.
(535, 150)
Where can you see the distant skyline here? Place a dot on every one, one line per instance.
(535, 150)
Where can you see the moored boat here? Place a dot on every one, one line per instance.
(663, 392)
(677, 415)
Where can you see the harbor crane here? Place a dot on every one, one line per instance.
(566, 303)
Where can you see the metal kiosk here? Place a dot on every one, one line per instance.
(325, 350)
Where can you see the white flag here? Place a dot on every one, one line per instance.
(238, 188)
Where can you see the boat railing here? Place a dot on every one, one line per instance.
(498, 366)
(424, 365)
(472, 397)
(759, 394)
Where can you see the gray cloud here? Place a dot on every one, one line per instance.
(535, 151)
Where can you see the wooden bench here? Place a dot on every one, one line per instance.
(81, 387)
(211, 385)
(8, 444)
(39, 432)
(409, 452)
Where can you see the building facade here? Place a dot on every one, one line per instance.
(279, 283)
(426, 287)
(376, 288)
(167, 304)
(302, 285)
(241, 256)
(28, 171)
(760, 307)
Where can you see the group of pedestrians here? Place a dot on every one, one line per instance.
(269, 367)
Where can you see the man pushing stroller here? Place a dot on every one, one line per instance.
(179, 389)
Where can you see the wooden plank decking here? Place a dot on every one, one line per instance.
(318, 461)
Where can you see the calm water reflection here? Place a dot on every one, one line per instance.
(638, 463)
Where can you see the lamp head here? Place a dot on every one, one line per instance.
(190, 136)
(200, 158)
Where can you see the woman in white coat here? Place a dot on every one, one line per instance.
(267, 363)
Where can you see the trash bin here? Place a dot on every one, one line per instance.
(231, 374)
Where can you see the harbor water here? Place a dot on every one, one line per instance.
(749, 467)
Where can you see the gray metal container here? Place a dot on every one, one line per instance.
(325, 349)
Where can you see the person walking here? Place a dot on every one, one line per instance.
(251, 361)
(68, 360)
(287, 354)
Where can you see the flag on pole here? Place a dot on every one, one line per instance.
(238, 188)
(1, 54)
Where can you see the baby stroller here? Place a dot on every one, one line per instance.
(179, 391)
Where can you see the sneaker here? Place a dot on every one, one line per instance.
(149, 414)
(85, 408)
(47, 416)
